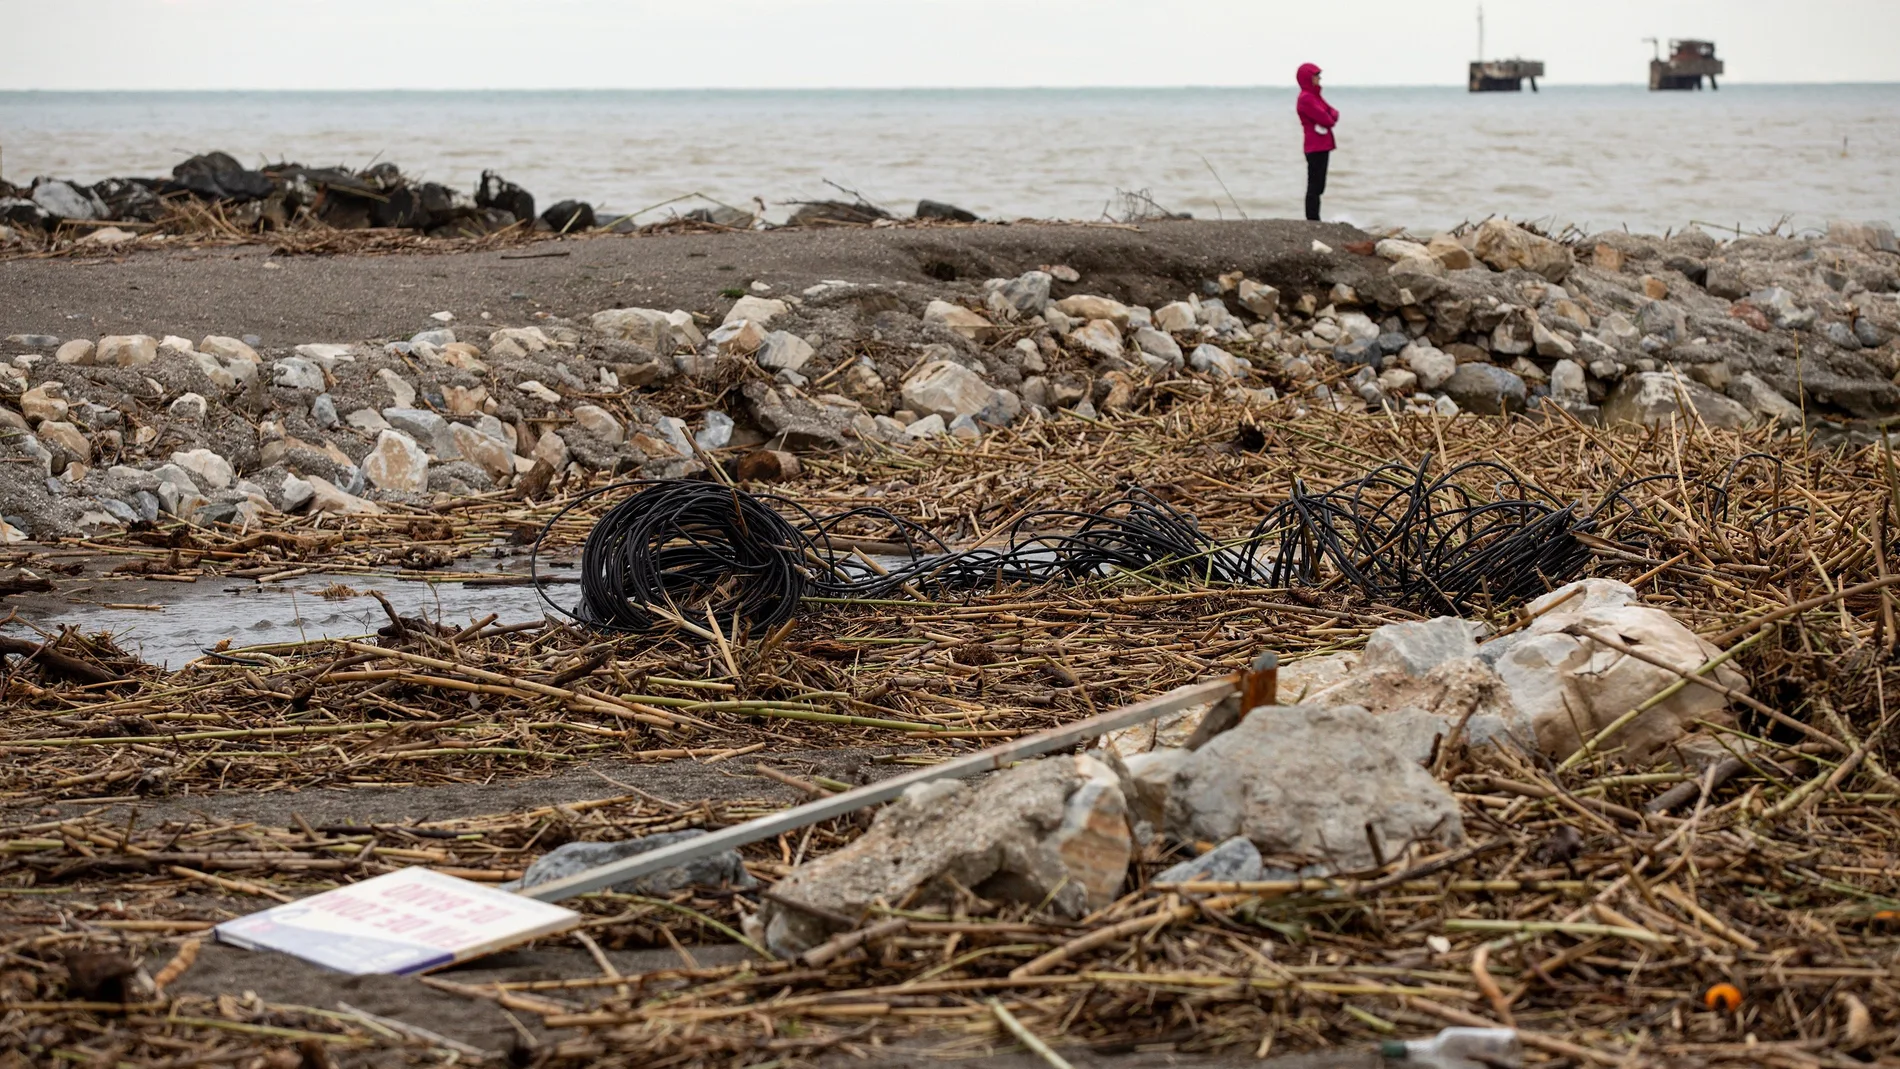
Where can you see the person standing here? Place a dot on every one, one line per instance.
(1318, 118)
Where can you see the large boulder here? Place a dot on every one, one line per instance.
(1504, 246)
(1050, 832)
(1315, 783)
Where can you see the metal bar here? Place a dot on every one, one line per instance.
(996, 757)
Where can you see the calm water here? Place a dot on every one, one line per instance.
(1594, 156)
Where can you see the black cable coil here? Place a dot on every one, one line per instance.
(678, 548)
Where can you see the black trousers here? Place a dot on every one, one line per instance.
(1316, 181)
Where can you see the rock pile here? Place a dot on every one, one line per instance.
(1640, 329)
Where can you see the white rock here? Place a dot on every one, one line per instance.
(931, 426)
(326, 354)
(947, 389)
(784, 351)
(761, 310)
(1259, 299)
(442, 317)
(552, 448)
(1161, 346)
(489, 453)
(600, 423)
(367, 419)
(530, 339)
(399, 389)
(127, 350)
(1217, 362)
(45, 401)
(1101, 337)
(1175, 318)
(716, 433)
(1567, 384)
(296, 373)
(229, 349)
(1087, 306)
(396, 462)
(1434, 367)
(660, 331)
(326, 497)
(1396, 249)
(187, 406)
(296, 493)
(539, 392)
(961, 320)
(1321, 247)
(1358, 326)
(78, 352)
(740, 337)
(207, 468)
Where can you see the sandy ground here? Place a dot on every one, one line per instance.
(230, 291)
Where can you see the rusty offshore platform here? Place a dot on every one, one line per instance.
(1502, 75)
(1689, 62)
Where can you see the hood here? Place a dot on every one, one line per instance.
(1307, 72)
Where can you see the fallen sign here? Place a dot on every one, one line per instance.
(1255, 686)
(409, 921)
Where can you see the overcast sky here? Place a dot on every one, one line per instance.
(473, 44)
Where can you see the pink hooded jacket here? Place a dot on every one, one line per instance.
(1317, 116)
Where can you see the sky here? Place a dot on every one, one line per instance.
(654, 44)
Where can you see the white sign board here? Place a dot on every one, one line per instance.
(402, 922)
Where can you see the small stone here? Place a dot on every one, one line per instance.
(741, 337)
(760, 310)
(323, 412)
(126, 350)
(539, 392)
(187, 406)
(1486, 389)
(1159, 345)
(1503, 245)
(399, 389)
(422, 425)
(1655, 288)
(1549, 344)
(485, 451)
(1176, 318)
(67, 443)
(1434, 367)
(365, 419)
(1567, 384)
(396, 462)
(1321, 247)
(966, 428)
(1026, 294)
(600, 423)
(207, 468)
(1657, 398)
(722, 871)
(783, 351)
(1218, 363)
(229, 349)
(716, 431)
(327, 498)
(1088, 307)
(1101, 337)
(45, 401)
(78, 352)
(1236, 859)
(296, 373)
(1451, 252)
(960, 320)
(433, 338)
(946, 388)
(464, 400)
(931, 426)
(33, 341)
(1261, 300)
(442, 317)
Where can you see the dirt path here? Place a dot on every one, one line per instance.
(340, 298)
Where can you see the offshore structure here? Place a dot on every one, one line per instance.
(1502, 75)
(1689, 62)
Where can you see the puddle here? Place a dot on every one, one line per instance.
(192, 617)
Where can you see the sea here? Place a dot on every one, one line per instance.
(1747, 157)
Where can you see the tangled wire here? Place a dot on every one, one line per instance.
(680, 551)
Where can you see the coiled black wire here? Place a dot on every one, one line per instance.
(677, 548)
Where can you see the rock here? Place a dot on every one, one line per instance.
(600, 423)
(1321, 247)
(770, 465)
(1568, 387)
(1549, 344)
(741, 337)
(1841, 335)
(1504, 245)
(1434, 367)
(1780, 307)
(229, 349)
(1415, 648)
(663, 332)
(126, 350)
(1176, 318)
(435, 339)
(421, 425)
(1398, 382)
(760, 310)
(1261, 300)
(1012, 838)
(724, 870)
(323, 412)
(325, 497)
(464, 400)
(570, 217)
(1486, 389)
(1408, 269)
(1662, 320)
(296, 373)
(783, 351)
(366, 419)
(956, 318)
(947, 389)
(1571, 686)
(933, 209)
(716, 431)
(324, 353)
(78, 352)
(1655, 289)
(1763, 401)
(1450, 252)
(1236, 859)
(1218, 363)
(396, 462)
(1655, 398)
(1871, 236)
(1160, 346)
(1396, 249)
(489, 453)
(64, 200)
(931, 426)
(1026, 294)
(1101, 337)
(1087, 307)
(187, 406)
(1359, 326)
(538, 391)
(45, 401)
(207, 468)
(1312, 782)
(66, 442)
